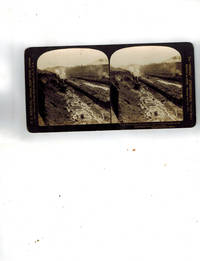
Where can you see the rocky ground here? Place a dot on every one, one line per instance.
(82, 100)
(168, 88)
(74, 101)
(142, 103)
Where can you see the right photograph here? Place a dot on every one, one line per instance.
(146, 85)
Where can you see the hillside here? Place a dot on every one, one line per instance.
(141, 100)
(167, 70)
(69, 102)
(92, 72)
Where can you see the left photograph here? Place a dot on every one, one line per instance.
(73, 87)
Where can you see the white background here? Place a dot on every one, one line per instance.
(86, 195)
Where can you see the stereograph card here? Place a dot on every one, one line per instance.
(107, 87)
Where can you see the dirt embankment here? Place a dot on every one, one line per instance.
(125, 97)
(170, 90)
(99, 92)
(62, 104)
(133, 102)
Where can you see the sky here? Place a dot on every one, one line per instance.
(71, 57)
(142, 55)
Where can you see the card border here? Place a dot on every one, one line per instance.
(186, 50)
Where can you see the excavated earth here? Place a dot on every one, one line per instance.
(66, 102)
(125, 99)
(148, 100)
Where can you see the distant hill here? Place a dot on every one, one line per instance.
(171, 66)
(170, 69)
(174, 59)
(91, 71)
(87, 71)
(101, 61)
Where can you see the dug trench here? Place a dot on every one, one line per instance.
(123, 99)
(145, 99)
(72, 100)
